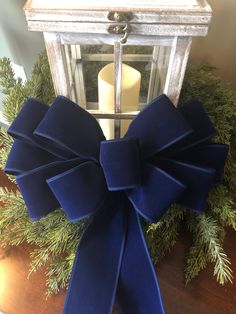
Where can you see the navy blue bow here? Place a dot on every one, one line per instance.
(60, 158)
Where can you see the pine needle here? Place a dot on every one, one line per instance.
(207, 246)
(162, 236)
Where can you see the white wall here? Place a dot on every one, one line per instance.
(16, 42)
(219, 47)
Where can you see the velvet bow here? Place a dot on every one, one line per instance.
(61, 159)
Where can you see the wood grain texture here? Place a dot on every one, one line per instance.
(19, 295)
(177, 66)
(57, 62)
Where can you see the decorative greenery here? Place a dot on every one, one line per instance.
(162, 236)
(55, 239)
(208, 237)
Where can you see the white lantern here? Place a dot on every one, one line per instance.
(151, 36)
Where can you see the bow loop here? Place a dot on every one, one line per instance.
(197, 179)
(36, 193)
(121, 163)
(27, 120)
(80, 191)
(158, 126)
(70, 127)
(150, 198)
(18, 161)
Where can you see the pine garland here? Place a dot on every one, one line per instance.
(208, 237)
(55, 239)
(162, 236)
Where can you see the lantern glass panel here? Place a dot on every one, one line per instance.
(85, 61)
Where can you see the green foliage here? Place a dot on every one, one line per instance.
(15, 99)
(221, 206)
(208, 237)
(162, 236)
(58, 273)
(7, 80)
(39, 86)
(5, 146)
(55, 239)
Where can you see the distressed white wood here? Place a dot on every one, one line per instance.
(152, 86)
(70, 70)
(142, 5)
(163, 64)
(57, 62)
(137, 29)
(95, 57)
(109, 39)
(101, 16)
(43, 15)
(80, 88)
(177, 66)
(118, 51)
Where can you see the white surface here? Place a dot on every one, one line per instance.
(16, 42)
(91, 4)
(3, 122)
(19, 73)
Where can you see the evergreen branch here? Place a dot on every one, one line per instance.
(41, 85)
(14, 102)
(13, 218)
(7, 80)
(6, 142)
(222, 269)
(208, 239)
(221, 206)
(196, 260)
(57, 239)
(161, 237)
(58, 274)
(230, 172)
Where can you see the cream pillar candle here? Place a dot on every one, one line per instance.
(130, 87)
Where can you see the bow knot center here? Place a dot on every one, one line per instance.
(120, 160)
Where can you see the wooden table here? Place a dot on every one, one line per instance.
(19, 295)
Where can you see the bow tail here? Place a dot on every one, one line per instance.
(96, 269)
(138, 289)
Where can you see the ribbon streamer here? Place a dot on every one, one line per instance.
(61, 159)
